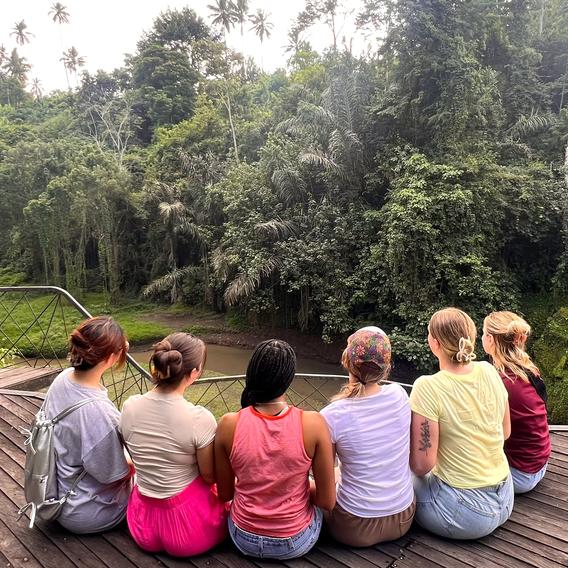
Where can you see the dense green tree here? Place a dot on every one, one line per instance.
(176, 29)
(339, 191)
(165, 84)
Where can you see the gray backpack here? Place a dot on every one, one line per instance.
(40, 474)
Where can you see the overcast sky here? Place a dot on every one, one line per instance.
(104, 30)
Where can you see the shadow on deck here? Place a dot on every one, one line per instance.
(536, 534)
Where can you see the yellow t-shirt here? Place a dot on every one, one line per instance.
(469, 410)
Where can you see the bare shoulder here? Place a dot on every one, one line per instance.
(228, 422)
(313, 420)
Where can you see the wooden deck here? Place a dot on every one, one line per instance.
(536, 534)
(32, 377)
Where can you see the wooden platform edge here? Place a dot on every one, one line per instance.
(32, 394)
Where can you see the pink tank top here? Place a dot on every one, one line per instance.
(272, 491)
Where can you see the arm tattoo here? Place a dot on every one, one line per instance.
(425, 442)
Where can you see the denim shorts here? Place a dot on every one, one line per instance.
(278, 548)
(462, 513)
(524, 482)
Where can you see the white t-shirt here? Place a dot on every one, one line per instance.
(162, 433)
(372, 439)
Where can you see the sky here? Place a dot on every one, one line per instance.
(103, 31)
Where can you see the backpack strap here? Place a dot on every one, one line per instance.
(71, 409)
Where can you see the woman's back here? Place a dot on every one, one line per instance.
(270, 463)
(88, 438)
(528, 447)
(469, 409)
(163, 432)
(372, 439)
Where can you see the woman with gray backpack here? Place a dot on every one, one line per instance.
(79, 456)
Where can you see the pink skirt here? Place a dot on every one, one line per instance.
(186, 524)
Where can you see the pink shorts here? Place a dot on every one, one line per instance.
(186, 524)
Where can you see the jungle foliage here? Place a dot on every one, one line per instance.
(341, 190)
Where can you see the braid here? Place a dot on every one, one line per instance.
(270, 371)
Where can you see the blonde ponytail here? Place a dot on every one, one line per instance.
(510, 333)
(455, 332)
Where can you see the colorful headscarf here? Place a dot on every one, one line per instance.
(369, 344)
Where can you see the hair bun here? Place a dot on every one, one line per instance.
(166, 364)
(466, 350)
(518, 327)
(80, 348)
(163, 345)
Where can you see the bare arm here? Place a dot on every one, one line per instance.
(206, 463)
(224, 474)
(507, 422)
(424, 436)
(317, 442)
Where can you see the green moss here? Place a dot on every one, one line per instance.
(551, 351)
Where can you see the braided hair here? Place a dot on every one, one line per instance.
(270, 372)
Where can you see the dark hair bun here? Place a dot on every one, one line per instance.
(79, 349)
(166, 362)
(94, 341)
(175, 357)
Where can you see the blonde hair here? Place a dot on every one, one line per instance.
(455, 332)
(365, 373)
(510, 333)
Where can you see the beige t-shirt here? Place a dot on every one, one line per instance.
(163, 433)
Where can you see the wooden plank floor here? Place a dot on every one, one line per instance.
(31, 377)
(536, 534)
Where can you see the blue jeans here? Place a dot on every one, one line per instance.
(462, 513)
(277, 548)
(524, 482)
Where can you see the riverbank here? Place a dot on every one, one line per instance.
(47, 330)
(212, 328)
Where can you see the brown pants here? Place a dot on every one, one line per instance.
(358, 531)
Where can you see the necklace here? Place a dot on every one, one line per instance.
(279, 402)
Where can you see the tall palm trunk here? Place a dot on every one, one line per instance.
(231, 123)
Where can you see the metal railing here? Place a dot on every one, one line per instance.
(35, 333)
(35, 324)
(310, 391)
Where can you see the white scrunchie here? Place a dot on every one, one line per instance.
(461, 355)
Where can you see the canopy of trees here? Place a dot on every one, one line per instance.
(340, 190)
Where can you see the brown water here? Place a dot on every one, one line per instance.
(234, 360)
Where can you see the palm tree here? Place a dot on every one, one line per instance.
(261, 27)
(72, 61)
(17, 67)
(224, 14)
(59, 13)
(19, 30)
(241, 12)
(295, 43)
(177, 219)
(3, 54)
(36, 90)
